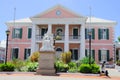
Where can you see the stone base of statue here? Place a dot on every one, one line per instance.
(46, 63)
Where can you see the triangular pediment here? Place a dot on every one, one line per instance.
(58, 12)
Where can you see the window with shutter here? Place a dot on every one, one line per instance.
(93, 33)
(107, 32)
(93, 54)
(87, 31)
(15, 52)
(103, 34)
(29, 33)
(74, 54)
(99, 55)
(27, 53)
(99, 34)
(20, 33)
(108, 56)
(17, 33)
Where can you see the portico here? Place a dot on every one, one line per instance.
(70, 30)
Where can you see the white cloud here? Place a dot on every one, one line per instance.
(3, 43)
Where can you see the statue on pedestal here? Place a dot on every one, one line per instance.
(47, 43)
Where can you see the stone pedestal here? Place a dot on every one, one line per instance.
(46, 63)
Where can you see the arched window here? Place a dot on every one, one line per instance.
(59, 49)
(59, 31)
(58, 52)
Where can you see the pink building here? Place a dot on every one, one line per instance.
(71, 31)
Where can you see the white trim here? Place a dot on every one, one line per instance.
(58, 20)
(19, 42)
(19, 24)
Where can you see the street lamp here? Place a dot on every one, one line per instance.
(90, 46)
(54, 40)
(7, 34)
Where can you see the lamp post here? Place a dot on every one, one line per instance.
(54, 40)
(90, 47)
(7, 34)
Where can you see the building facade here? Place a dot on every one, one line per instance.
(2, 51)
(71, 32)
(117, 51)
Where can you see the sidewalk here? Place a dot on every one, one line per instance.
(114, 75)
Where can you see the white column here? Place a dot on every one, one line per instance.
(33, 44)
(66, 43)
(82, 42)
(49, 28)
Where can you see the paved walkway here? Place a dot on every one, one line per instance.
(114, 75)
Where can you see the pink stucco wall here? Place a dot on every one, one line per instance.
(64, 14)
(19, 43)
(97, 44)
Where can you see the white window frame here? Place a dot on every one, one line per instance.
(103, 55)
(12, 52)
(17, 34)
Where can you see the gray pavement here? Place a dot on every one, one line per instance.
(44, 78)
(114, 74)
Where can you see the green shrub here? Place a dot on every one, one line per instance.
(66, 57)
(7, 67)
(95, 68)
(86, 68)
(73, 70)
(85, 60)
(72, 64)
(61, 67)
(118, 63)
(18, 64)
(35, 56)
(32, 67)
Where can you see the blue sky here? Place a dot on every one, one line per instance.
(106, 9)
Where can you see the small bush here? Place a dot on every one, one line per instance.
(95, 68)
(61, 67)
(18, 64)
(66, 57)
(86, 68)
(118, 63)
(72, 65)
(85, 60)
(35, 56)
(32, 67)
(7, 67)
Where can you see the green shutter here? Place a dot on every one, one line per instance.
(93, 54)
(86, 53)
(13, 33)
(99, 34)
(85, 33)
(107, 34)
(93, 33)
(99, 55)
(29, 33)
(20, 33)
(108, 56)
